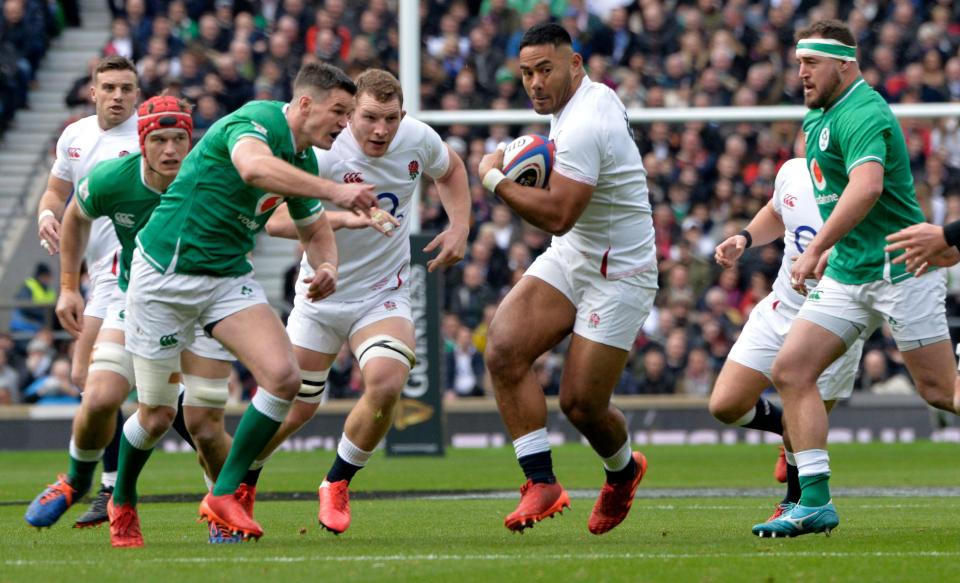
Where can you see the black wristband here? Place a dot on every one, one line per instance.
(951, 232)
(746, 235)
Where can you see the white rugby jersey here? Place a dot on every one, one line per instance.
(595, 145)
(81, 146)
(370, 261)
(793, 200)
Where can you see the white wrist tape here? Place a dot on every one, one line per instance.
(44, 214)
(492, 178)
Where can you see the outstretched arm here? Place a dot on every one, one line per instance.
(258, 167)
(73, 243)
(765, 227)
(454, 190)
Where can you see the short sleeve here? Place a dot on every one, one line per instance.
(578, 154)
(780, 182)
(61, 165)
(88, 202)
(304, 211)
(243, 126)
(436, 156)
(866, 141)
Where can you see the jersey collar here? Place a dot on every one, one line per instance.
(843, 96)
(143, 176)
(584, 84)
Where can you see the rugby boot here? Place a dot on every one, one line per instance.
(47, 508)
(124, 525)
(537, 501)
(615, 500)
(97, 513)
(227, 511)
(334, 514)
(800, 520)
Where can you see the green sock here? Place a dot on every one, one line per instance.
(131, 464)
(816, 490)
(80, 475)
(252, 435)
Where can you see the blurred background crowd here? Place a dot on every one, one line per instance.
(705, 180)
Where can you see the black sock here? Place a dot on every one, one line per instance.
(627, 474)
(538, 467)
(252, 476)
(180, 425)
(768, 417)
(111, 455)
(342, 470)
(793, 485)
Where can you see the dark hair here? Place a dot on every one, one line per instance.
(832, 29)
(321, 77)
(379, 84)
(114, 63)
(546, 33)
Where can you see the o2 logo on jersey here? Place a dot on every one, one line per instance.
(394, 202)
(268, 202)
(816, 173)
(799, 233)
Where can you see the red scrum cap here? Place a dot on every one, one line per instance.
(163, 112)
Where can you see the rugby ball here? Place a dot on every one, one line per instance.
(528, 160)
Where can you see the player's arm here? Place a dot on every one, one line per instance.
(863, 190)
(321, 250)
(454, 190)
(281, 224)
(765, 227)
(50, 211)
(258, 167)
(926, 245)
(554, 209)
(74, 235)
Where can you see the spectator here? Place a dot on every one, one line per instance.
(9, 381)
(469, 298)
(465, 369)
(55, 388)
(38, 290)
(651, 375)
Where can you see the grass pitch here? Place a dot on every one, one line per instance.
(424, 519)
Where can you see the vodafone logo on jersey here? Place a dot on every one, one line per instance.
(268, 202)
(816, 173)
(790, 200)
(353, 178)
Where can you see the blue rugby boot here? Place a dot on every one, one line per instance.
(800, 520)
(47, 508)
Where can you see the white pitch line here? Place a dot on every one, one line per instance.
(504, 557)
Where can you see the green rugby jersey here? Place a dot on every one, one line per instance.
(117, 189)
(208, 219)
(858, 127)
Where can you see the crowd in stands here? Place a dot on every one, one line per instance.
(705, 180)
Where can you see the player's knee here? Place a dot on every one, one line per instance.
(937, 392)
(100, 402)
(156, 420)
(283, 381)
(580, 410)
(206, 430)
(503, 362)
(384, 385)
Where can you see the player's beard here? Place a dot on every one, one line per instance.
(826, 91)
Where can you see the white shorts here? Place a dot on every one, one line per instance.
(324, 326)
(103, 282)
(202, 345)
(914, 308)
(165, 313)
(609, 311)
(763, 336)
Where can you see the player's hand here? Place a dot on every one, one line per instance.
(947, 258)
(358, 198)
(804, 267)
(379, 220)
(453, 247)
(70, 311)
(492, 160)
(49, 232)
(727, 253)
(822, 264)
(323, 283)
(922, 243)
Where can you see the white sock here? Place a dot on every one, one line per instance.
(791, 458)
(531, 443)
(108, 479)
(84, 455)
(812, 462)
(352, 454)
(137, 435)
(619, 460)
(270, 405)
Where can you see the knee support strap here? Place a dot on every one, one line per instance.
(204, 392)
(312, 385)
(158, 380)
(112, 357)
(387, 347)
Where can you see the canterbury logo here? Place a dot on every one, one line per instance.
(352, 177)
(168, 340)
(124, 219)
